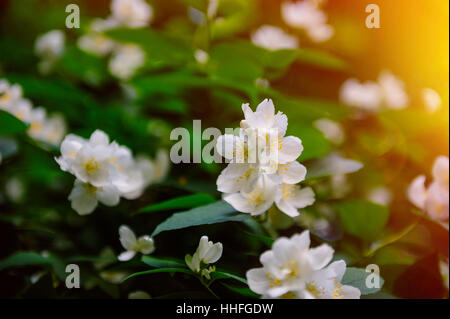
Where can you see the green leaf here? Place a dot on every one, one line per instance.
(217, 212)
(240, 290)
(362, 219)
(26, 258)
(162, 262)
(321, 59)
(331, 165)
(160, 270)
(315, 144)
(9, 124)
(264, 239)
(189, 201)
(225, 275)
(356, 277)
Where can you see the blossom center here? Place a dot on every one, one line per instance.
(91, 166)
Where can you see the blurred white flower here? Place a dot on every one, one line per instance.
(95, 42)
(9, 94)
(332, 130)
(380, 195)
(207, 253)
(133, 245)
(50, 44)
(15, 189)
(434, 199)
(340, 186)
(431, 99)
(273, 38)
(84, 197)
(132, 13)
(49, 47)
(306, 15)
(366, 95)
(126, 60)
(393, 91)
(47, 129)
(107, 167)
(293, 269)
(201, 56)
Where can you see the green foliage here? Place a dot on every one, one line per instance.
(362, 219)
(9, 124)
(356, 277)
(188, 201)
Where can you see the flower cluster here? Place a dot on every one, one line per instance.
(434, 199)
(207, 253)
(44, 128)
(263, 169)
(291, 269)
(106, 171)
(388, 92)
(133, 245)
(126, 58)
(306, 15)
(49, 47)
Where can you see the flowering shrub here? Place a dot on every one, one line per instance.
(321, 172)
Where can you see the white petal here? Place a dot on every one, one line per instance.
(235, 177)
(302, 241)
(320, 256)
(292, 172)
(257, 280)
(349, 292)
(441, 170)
(127, 238)
(214, 253)
(287, 208)
(108, 195)
(267, 108)
(303, 197)
(99, 138)
(239, 202)
(83, 203)
(417, 192)
(290, 149)
(126, 255)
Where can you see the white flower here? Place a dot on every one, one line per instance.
(288, 266)
(326, 284)
(434, 200)
(9, 94)
(291, 269)
(50, 44)
(201, 56)
(256, 200)
(290, 198)
(125, 61)
(367, 95)
(50, 130)
(207, 253)
(393, 89)
(161, 166)
(307, 16)
(133, 245)
(132, 13)
(380, 195)
(431, 99)
(332, 130)
(22, 109)
(261, 159)
(95, 42)
(273, 38)
(85, 197)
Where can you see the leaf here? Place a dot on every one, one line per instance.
(224, 275)
(240, 290)
(264, 239)
(9, 124)
(315, 144)
(189, 201)
(162, 262)
(332, 165)
(356, 277)
(160, 270)
(217, 212)
(27, 258)
(362, 218)
(389, 239)
(321, 59)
